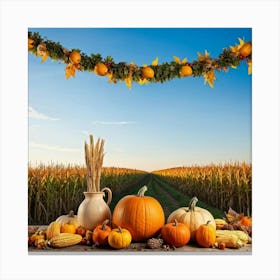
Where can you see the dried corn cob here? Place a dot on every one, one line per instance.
(230, 241)
(230, 238)
(220, 223)
(243, 236)
(64, 240)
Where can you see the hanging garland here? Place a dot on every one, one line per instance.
(129, 72)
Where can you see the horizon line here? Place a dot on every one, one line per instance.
(61, 164)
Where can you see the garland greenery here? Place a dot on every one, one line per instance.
(129, 72)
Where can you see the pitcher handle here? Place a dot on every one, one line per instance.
(109, 192)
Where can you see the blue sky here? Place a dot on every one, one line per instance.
(180, 122)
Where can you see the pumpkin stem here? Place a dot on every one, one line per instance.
(208, 222)
(175, 223)
(142, 191)
(104, 224)
(192, 203)
(71, 213)
(120, 229)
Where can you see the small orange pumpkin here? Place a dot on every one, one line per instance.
(246, 221)
(206, 235)
(101, 233)
(68, 228)
(142, 215)
(176, 234)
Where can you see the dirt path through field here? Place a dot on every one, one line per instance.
(156, 189)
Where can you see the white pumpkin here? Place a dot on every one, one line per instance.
(192, 216)
(64, 219)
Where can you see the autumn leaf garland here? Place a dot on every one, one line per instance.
(204, 66)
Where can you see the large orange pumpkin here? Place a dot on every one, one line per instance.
(192, 216)
(142, 215)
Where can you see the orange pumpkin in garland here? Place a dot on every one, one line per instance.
(142, 215)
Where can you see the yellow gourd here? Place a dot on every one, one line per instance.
(53, 230)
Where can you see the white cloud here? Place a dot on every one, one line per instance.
(33, 114)
(111, 123)
(53, 148)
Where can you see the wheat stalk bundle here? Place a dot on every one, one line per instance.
(94, 155)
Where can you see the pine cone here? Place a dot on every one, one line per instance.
(154, 243)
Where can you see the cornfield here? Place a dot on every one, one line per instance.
(53, 190)
(222, 186)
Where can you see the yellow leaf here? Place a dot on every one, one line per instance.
(145, 65)
(241, 42)
(249, 67)
(110, 77)
(45, 56)
(143, 81)
(232, 66)
(69, 71)
(67, 74)
(155, 62)
(203, 57)
(177, 59)
(234, 49)
(209, 77)
(128, 82)
(184, 61)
